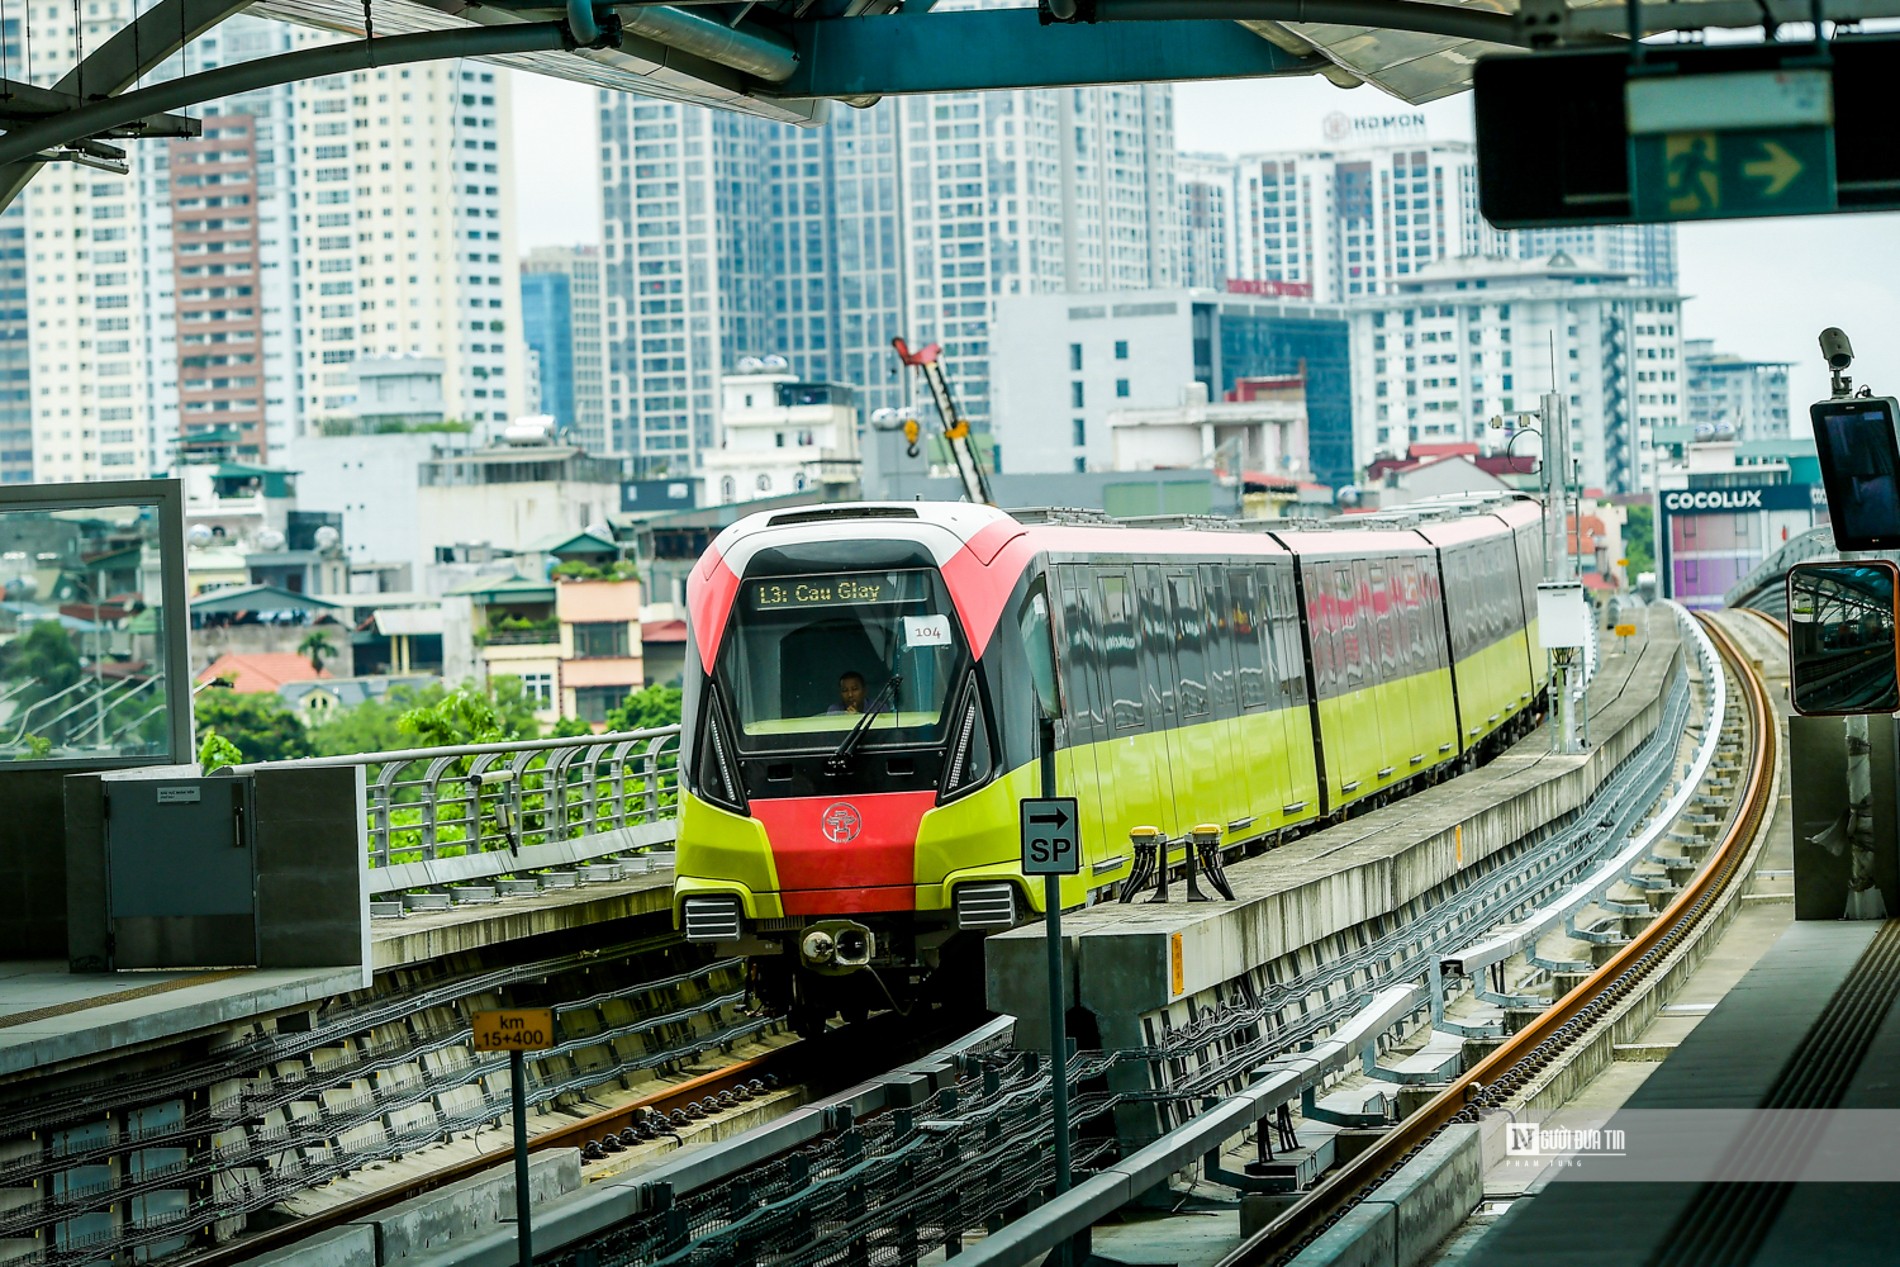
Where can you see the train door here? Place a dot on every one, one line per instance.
(1156, 622)
(1397, 718)
(1361, 635)
(1291, 694)
(1083, 724)
(1434, 728)
(1132, 773)
(1223, 633)
(1195, 742)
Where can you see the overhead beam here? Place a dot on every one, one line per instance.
(921, 51)
(22, 102)
(1419, 16)
(268, 72)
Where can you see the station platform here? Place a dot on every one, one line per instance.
(50, 1016)
(1130, 962)
(1813, 1032)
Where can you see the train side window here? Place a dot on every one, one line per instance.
(1417, 658)
(1189, 639)
(1322, 618)
(1289, 650)
(1243, 594)
(1038, 635)
(1119, 651)
(1217, 619)
(1387, 620)
(1079, 661)
(1352, 653)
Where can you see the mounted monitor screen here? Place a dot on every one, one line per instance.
(1860, 464)
(1841, 631)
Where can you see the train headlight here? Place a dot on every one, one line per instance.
(719, 779)
(967, 764)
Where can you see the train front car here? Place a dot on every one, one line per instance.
(846, 710)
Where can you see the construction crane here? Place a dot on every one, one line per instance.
(928, 361)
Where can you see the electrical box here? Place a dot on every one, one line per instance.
(1563, 614)
(181, 872)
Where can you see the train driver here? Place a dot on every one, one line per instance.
(850, 693)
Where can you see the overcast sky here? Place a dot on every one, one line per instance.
(1761, 288)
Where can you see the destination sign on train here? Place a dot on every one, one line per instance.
(847, 590)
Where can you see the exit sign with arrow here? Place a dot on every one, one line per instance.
(1717, 146)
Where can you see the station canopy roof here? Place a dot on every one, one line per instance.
(779, 59)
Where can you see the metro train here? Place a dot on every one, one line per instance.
(866, 685)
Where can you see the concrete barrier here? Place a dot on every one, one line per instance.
(353, 1245)
(475, 1205)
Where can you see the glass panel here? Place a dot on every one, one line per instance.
(1040, 648)
(1243, 592)
(1118, 648)
(82, 654)
(1188, 655)
(1841, 638)
(809, 656)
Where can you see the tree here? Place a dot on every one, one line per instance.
(314, 648)
(368, 727)
(260, 726)
(647, 709)
(1639, 541)
(465, 715)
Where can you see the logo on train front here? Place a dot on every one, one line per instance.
(841, 822)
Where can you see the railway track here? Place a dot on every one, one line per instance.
(1516, 1064)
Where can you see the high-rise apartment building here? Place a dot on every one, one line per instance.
(561, 321)
(1730, 397)
(404, 236)
(1357, 221)
(16, 352)
(1066, 364)
(1208, 193)
(910, 218)
(839, 272)
(217, 307)
(684, 265)
(1462, 341)
(1645, 251)
(219, 291)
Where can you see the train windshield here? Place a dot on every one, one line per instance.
(809, 656)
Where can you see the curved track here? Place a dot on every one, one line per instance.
(1512, 1066)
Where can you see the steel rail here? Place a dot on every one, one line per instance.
(1536, 1046)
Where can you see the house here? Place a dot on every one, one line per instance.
(261, 672)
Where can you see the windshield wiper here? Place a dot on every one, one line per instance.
(840, 760)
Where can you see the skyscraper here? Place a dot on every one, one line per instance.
(16, 353)
(685, 268)
(910, 218)
(227, 282)
(1208, 188)
(1355, 221)
(404, 236)
(561, 322)
(1462, 341)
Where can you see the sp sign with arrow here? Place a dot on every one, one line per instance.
(1051, 836)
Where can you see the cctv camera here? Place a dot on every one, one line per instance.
(1835, 347)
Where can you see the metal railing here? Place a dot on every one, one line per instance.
(440, 815)
(1815, 543)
